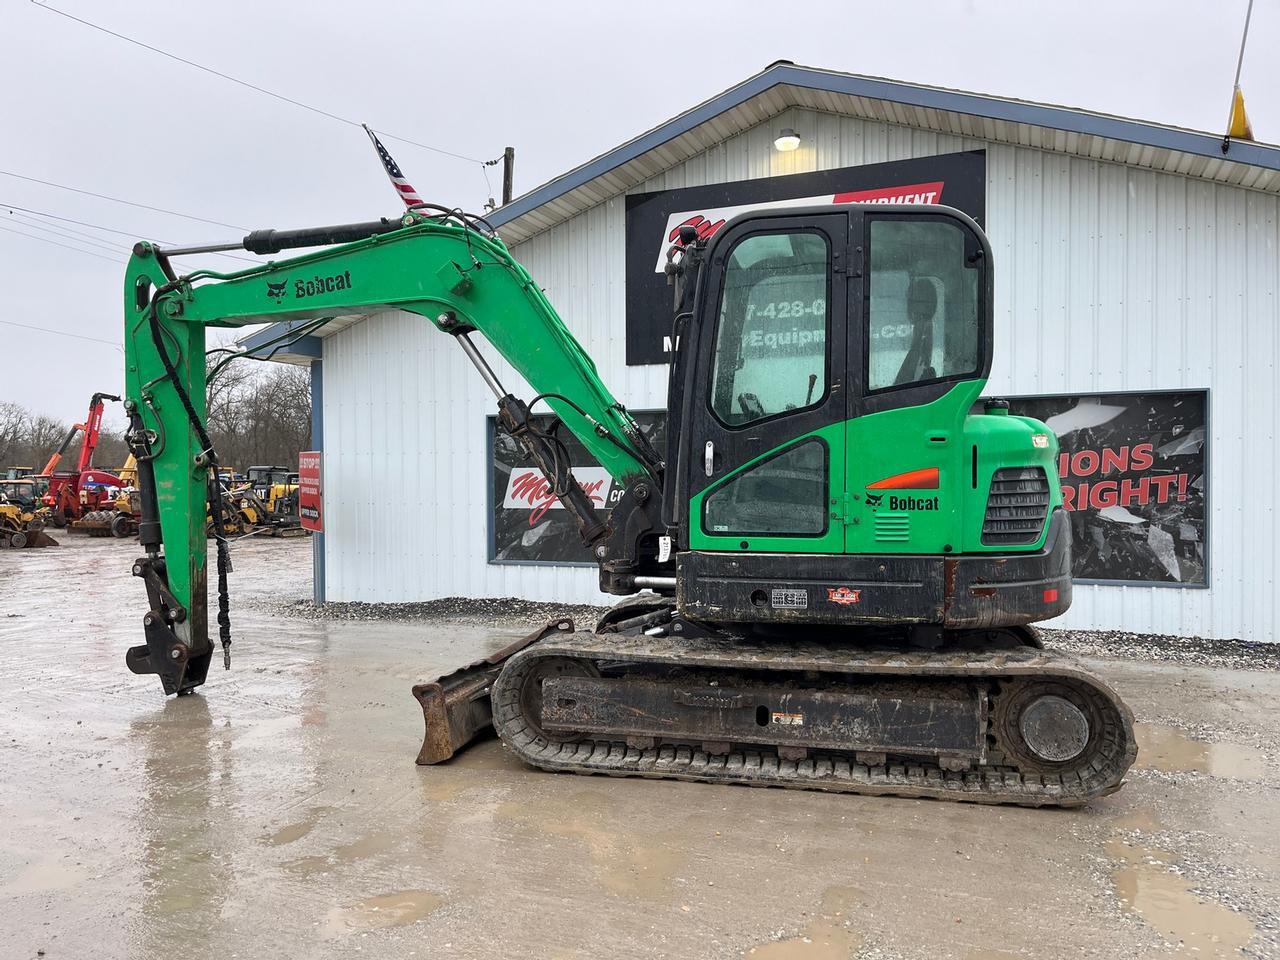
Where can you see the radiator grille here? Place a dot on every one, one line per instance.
(1016, 506)
(893, 527)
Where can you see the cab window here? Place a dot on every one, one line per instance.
(923, 304)
(771, 349)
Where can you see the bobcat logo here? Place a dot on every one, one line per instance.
(276, 291)
(873, 499)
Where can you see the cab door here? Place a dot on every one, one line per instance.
(920, 350)
(766, 445)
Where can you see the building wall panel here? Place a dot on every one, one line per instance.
(1108, 278)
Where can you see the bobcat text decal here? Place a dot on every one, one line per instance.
(317, 285)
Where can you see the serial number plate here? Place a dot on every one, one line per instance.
(791, 599)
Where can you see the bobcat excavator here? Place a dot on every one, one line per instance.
(831, 570)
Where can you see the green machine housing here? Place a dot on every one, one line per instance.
(828, 461)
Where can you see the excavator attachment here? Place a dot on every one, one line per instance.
(456, 707)
(26, 538)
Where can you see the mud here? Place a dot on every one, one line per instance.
(279, 811)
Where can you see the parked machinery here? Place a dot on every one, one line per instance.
(845, 546)
(118, 516)
(269, 499)
(73, 493)
(20, 526)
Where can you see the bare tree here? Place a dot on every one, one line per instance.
(257, 414)
(44, 436)
(13, 429)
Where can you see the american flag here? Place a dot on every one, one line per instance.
(403, 186)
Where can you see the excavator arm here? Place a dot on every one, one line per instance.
(441, 265)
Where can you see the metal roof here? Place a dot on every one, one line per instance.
(996, 119)
(784, 85)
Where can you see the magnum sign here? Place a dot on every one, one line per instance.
(654, 221)
(528, 523)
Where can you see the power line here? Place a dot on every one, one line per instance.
(131, 234)
(77, 236)
(251, 86)
(32, 236)
(60, 333)
(96, 226)
(128, 203)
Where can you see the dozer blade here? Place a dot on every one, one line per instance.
(456, 706)
(38, 538)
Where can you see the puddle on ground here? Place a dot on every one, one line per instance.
(1164, 900)
(366, 846)
(1169, 750)
(294, 831)
(825, 938)
(442, 788)
(489, 755)
(43, 876)
(309, 866)
(397, 909)
(1143, 818)
(446, 782)
(644, 871)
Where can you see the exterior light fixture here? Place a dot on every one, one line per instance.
(787, 140)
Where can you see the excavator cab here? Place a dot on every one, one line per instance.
(833, 464)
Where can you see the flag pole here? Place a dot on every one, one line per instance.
(1235, 87)
(1248, 15)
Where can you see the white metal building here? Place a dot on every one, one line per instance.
(1128, 257)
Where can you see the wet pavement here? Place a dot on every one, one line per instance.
(279, 814)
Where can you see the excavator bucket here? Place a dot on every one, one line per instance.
(38, 538)
(456, 706)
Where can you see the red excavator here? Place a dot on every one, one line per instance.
(72, 493)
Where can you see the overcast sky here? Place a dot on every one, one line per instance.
(561, 82)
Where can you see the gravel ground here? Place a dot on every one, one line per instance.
(502, 612)
(278, 812)
(509, 611)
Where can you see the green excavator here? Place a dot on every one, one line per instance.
(831, 570)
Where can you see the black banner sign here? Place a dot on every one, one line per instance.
(528, 523)
(1134, 478)
(955, 179)
(1133, 468)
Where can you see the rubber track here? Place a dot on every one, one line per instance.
(829, 771)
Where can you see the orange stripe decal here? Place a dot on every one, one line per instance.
(926, 479)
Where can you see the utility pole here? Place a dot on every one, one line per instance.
(508, 173)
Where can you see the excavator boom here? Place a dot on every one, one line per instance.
(447, 269)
